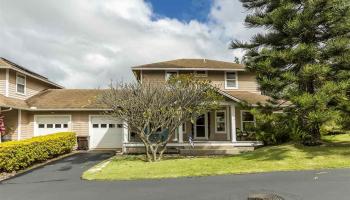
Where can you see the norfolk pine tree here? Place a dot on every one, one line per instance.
(302, 56)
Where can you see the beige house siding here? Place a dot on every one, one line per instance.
(3, 81)
(80, 122)
(33, 86)
(27, 124)
(153, 75)
(11, 121)
(246, 80)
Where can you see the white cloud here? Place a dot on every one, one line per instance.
(86, 43)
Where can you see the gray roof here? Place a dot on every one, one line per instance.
(192, 64)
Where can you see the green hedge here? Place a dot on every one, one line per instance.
(16, 155)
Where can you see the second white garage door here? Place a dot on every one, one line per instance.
(105, 132)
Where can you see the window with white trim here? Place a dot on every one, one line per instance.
(231, 80)
(20, 84)
(247, 120)
(220, 121)
(201, 73)
(169, 74)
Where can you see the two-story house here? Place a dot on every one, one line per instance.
(33, 106)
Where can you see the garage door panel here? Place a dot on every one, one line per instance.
(105, 132)
(51, 124)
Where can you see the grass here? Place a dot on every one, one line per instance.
(335, 153)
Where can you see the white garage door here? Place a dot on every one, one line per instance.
(48, 124)
(105, 132)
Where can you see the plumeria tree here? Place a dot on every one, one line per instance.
(155, 110)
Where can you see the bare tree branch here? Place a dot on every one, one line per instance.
(150, 107)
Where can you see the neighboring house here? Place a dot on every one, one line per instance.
(35, 106)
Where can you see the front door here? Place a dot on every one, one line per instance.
(201, 127)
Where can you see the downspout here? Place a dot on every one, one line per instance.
(19, 125)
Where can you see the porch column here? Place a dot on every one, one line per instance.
(181, 134)
(125, 136)
(125, 133)
(233, 124)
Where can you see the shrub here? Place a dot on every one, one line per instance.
(16, 155)
(272, 128)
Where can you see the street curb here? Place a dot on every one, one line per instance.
(34, 167)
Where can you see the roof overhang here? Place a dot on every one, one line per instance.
(31, 75)
(69, 109)
(187, 69)
(228, 96)
(55, 109)
(242, 99)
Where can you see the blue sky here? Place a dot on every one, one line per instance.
(183, 10)
(85, 44)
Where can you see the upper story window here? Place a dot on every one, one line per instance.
(231, 80)
(169, 74)
(20, 84)
(201, 73)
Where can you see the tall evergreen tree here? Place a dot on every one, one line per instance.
(302, 56)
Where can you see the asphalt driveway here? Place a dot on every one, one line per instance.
(61, 180)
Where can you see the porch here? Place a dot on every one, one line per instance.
(223, 131)
(199, 147)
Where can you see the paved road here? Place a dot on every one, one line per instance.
(61, 181)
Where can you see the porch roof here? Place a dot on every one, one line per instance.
(12, 102)
(57, 99)
(251, 98)
(64, 99)
(86, 99)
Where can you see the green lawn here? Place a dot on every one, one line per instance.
(334, 154)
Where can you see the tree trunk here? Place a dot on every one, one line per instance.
(148, 156)
(161, 152)
(147, 147)
(154, 152)
(315, 135)
(154, 155)
(154, 149)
